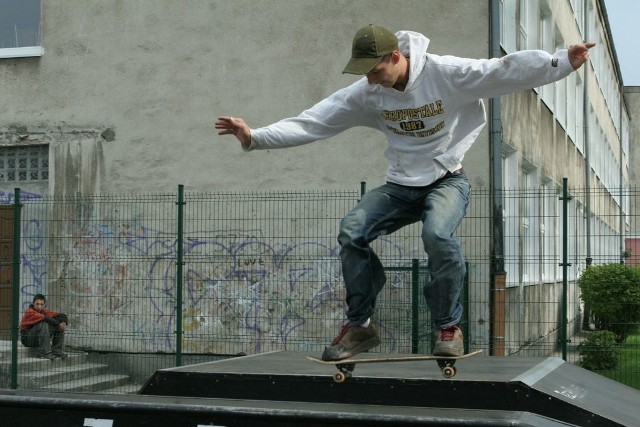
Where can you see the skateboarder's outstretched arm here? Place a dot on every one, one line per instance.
(235, 126)
(578, 55)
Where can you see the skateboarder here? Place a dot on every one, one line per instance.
(430, 109)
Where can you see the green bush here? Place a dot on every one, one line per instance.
(600, 351)
(612, 293)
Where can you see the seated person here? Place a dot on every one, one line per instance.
(43, 329)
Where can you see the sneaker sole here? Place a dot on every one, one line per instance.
(448, 351)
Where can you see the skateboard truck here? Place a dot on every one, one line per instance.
(345, 371)
(447, 368)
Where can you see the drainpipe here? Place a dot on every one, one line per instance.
(587, 165)
(498, 274)
(587, 158)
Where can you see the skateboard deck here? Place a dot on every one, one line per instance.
(346, 366)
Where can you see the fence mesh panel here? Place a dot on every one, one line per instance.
(261, 272)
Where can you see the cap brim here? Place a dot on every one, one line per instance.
(360, 65)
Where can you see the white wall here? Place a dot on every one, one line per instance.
(159, 72)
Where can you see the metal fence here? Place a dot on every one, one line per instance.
(260, 271)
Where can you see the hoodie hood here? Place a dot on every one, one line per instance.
(413, 45)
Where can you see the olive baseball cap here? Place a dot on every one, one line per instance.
(370, 44)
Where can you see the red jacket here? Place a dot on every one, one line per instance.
(32, 317)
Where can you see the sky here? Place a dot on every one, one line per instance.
(624, 19)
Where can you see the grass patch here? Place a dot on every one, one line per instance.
(628, 369)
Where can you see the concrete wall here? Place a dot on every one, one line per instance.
(530, 128)
(159, 73)
(632, 99)
(126, 95)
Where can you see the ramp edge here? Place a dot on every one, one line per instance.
(541, 370)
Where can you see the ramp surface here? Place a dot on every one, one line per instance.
(550, 387)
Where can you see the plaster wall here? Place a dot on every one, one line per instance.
(157, 74)
(632, 99)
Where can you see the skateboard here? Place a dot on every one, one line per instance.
(346, 366)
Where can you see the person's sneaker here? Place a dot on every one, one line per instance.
(449, 342)
(350, 341)
(60, 355)
(48, 356)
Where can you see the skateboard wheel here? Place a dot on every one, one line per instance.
(339, 377)
(449, 371)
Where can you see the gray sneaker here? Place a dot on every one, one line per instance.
(350, 341)
(449, 342)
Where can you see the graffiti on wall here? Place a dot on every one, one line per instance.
(8, 197)
(241, 292)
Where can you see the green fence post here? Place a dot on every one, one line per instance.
(179, 265)
(465, 308)
(565, 263)
(415, 304)
(15, 286)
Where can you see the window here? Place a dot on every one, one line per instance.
(530, 226)
(20, 28)
(528, 24)
(579, 113)
(508, 25)
(549, 231)
(625, 135)
(561, 90)
(570, 100)
(523, 22)
(510, 215)
(545, 42)
(578, 10)
(24, 164)
(576, 235)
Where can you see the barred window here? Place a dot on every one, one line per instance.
(24, 164)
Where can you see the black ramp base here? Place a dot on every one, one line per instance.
(550, 387)
(20, 409)
(586, 390)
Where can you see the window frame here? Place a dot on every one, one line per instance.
(26, 51)
(21, 52)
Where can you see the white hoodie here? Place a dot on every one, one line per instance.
(432, 124)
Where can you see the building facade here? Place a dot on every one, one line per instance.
(120, 97)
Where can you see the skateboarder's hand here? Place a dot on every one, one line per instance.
(579, 53)
(235, 126)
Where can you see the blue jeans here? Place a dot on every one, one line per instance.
(441, 207)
